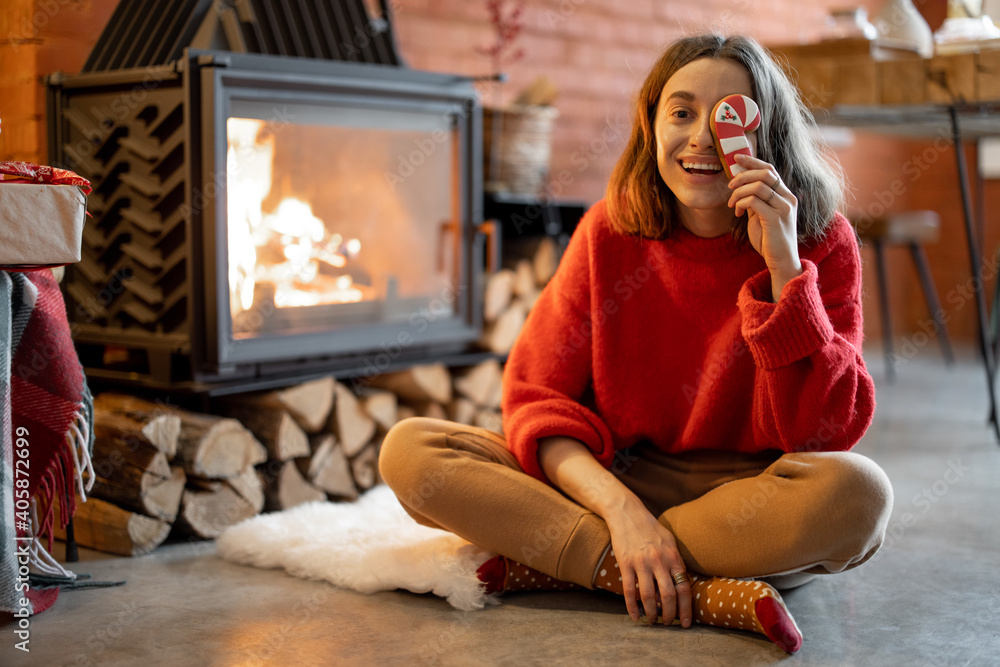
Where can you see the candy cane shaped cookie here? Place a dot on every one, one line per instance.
(732, 118)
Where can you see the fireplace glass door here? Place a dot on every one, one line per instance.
(345, 224)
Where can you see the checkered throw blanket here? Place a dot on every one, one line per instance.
(46, 415)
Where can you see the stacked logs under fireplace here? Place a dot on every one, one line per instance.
(162, 471)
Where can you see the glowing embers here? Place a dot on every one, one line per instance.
(284, 257)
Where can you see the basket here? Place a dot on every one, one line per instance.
(517, 149)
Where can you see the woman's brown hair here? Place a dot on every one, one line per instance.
(786, 139)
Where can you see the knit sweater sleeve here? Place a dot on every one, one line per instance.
(549, 369)
(813, 392)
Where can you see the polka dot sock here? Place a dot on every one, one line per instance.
(501, 574)
(744, 605)
(725, 603)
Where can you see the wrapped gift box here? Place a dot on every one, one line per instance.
(40, 224)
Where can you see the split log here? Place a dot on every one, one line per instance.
(428, 382)
(207, 514)
(129, 417)
(216, 446)
(499, 291)
(328, 469)
(154, 491)
(546, 261)
(382, 406)
(462, 410)
(161, 432)
(289, 489)
(100, 525)
(406, 412)
(524, 278)
(481, 383)
(431, 410)
(499, 337)
(364, 466)
(249, 487)
(352, 426)
(309, 403)
(135, 475)
(274, 427)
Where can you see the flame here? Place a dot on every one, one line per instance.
(301, 237)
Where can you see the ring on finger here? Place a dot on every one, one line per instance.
(680, 577)
(768, 200)
(777, 179)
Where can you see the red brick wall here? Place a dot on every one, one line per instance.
(597, 53)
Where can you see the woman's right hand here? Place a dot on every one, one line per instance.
(647, 555)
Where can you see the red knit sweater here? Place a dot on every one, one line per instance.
(677, 342)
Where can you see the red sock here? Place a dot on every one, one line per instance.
(502, 574)
(778, 624)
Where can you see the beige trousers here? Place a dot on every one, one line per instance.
(732, 515)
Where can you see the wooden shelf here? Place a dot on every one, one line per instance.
(857, 73)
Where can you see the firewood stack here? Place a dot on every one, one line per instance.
(512, 292)
(159, 469)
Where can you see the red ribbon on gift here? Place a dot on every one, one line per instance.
(26, 172)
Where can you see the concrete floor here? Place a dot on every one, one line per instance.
(930, 598)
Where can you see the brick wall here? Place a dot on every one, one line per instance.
(595, 51)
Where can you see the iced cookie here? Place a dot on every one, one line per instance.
(732, 118)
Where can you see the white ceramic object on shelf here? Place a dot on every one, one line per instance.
(901, 26)
(850, 23)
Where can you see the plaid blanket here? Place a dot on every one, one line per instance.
(46, 415)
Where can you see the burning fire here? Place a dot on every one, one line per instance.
(287, 254)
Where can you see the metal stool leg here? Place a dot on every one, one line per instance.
(995, 312)
(985, 344)
(883, 297)
(933, 303)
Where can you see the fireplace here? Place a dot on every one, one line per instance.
(258, 216)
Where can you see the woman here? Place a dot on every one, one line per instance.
(679, 405)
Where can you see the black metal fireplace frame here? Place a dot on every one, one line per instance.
(206, 357)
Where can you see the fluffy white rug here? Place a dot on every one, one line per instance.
(368, 545)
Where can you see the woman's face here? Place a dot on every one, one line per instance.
(685, 148)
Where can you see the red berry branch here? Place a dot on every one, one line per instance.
(507, 25)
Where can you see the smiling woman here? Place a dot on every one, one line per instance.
(698, 349)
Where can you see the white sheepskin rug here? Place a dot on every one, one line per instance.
(367, 546)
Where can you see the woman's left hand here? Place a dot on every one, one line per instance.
(772, 211)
